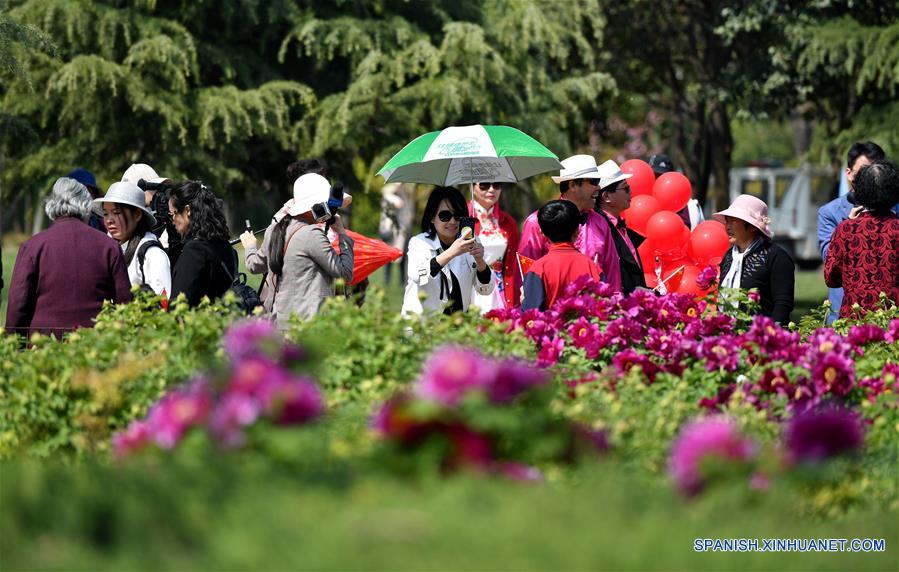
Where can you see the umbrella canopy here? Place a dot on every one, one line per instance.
(369, 254)
(470, 154)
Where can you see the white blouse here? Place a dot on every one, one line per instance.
(157, 272)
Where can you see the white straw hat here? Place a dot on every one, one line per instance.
(577, 167)
(125, 194)
(139, 171)
(610, 173)
(308, 190)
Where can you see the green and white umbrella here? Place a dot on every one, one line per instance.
(470, 154)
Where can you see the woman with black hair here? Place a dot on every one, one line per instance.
(443, 267)
(863, 257)
(207, 263)
(128, 220)
(298, 255)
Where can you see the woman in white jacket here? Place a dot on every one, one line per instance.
(129, 221)
(444, 267)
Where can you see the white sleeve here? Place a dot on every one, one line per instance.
(157, 271)
(419, 262)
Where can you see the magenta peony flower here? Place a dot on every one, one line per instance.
(834, 373)
(708, 277)
(251, 373)
(890, 375)
(452, 371)
(513, 378)
(721, 398)
(776, 380)
(550, 351)
(818, 435)
(131, 440)
(583, 332)
(518, 472)
(892, 335)
(721, 352)
(716, 438)
(231, 415)
(177, 412)
(754, 295)
(629, 358)
(252, 337)
(292, 401)
(865, 334)
(470, 449)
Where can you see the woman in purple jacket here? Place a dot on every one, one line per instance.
(63, 274)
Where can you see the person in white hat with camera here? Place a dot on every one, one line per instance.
(297, 254)
(129, 221)
(578, 182)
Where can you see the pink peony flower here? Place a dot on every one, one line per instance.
(712, 438)
(834, 373)
(707, 277)
(721, 352)
(629, 358)
(251, 373)
(583, 332)
(293, 401)
(131, 440)
(818, 435)
(252, 337)
(892, 335)
(550, 351)
(513, 378)
(177, 412)
(231, 415)
(452, 371)
(865, 334)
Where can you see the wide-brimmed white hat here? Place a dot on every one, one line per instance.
(308, 190)
(610, 173)
(750, 209)
(577, 167)
(125, 193)
(139, 171)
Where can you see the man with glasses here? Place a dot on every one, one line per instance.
(625, 272)
(579, 182)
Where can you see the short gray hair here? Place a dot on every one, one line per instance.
(68, 198)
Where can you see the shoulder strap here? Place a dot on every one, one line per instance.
(142, 253)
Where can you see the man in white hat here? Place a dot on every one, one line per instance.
(159, 205)
(625, 269)
(579, 183)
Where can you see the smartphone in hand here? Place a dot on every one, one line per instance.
(469, 222)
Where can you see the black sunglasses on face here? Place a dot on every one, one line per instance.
(485, 186)
(445, 216)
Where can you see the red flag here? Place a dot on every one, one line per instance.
(369, 254)
(524, 265)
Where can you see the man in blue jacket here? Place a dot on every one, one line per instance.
(836, 211)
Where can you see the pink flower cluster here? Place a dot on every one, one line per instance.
(670, 334)
(257, 385)
(449, 377)
(702, 442)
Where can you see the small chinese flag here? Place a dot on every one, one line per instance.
(524, 264)
(164, 300)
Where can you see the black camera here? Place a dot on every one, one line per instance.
(324, 212)
(159, 206)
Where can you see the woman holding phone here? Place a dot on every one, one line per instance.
(445, 263)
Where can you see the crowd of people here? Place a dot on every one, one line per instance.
(171, 238)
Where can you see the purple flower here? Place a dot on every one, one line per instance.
(707, 277)
(177, 412)
(550, 351)
(293, 401)
(818, 435)
(519, 472)
(865, 334)
(513, 378)
(452, 371)
(231, 414)
(721, 352)
(252, 337)
(712, 438)
(834, 373)
(132, 439)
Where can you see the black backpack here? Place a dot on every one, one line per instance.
(141, 255)
(247, 298)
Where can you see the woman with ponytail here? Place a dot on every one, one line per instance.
(129, 221)
(298, 255)
(207, 264)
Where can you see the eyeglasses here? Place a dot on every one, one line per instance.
(625, 187)
(172, 213)
(485, 186)
(445, 216)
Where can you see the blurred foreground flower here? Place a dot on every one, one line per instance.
(701, 442)
(814, 436)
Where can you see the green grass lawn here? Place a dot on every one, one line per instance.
(810, 288)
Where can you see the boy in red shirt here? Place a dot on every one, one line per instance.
(549, 275)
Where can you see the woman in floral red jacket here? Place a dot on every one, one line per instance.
(864, 253)
(498, 234)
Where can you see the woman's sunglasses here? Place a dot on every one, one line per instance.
(445, 216)
(485, 186)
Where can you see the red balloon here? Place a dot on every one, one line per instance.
(709, 243)
(672, 190)
(643, 177)
(642, 207)
(666, 230)
(673, 273)
(647, 253)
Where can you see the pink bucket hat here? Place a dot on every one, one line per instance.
(750, 209)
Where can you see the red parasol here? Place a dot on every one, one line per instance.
(369, 254)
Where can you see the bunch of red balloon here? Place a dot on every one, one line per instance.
(670, 247)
